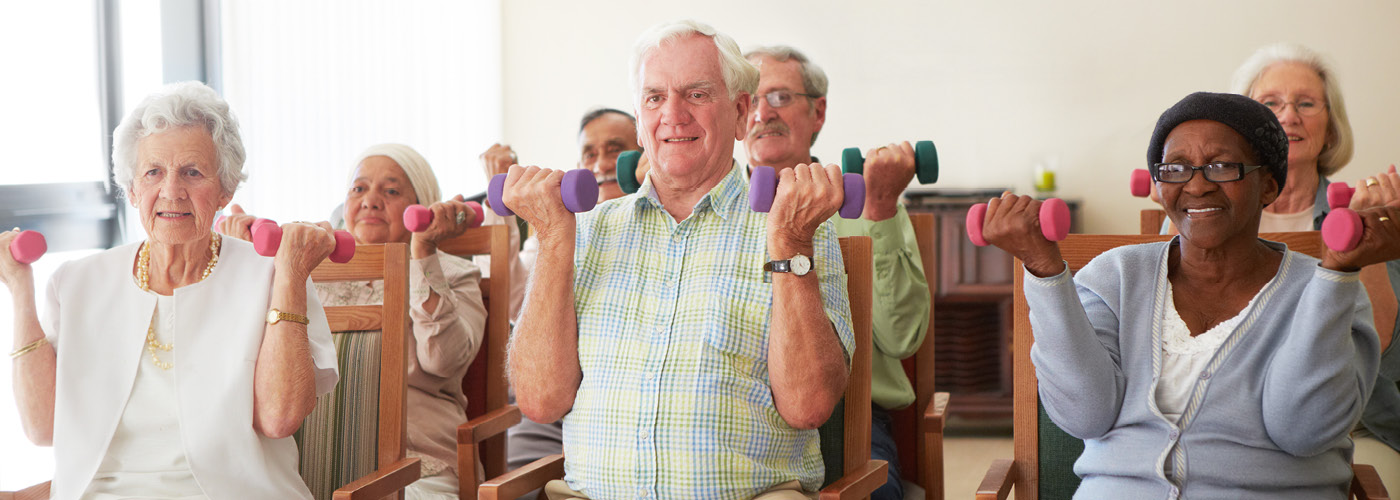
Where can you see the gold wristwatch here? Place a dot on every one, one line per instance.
(274, 316)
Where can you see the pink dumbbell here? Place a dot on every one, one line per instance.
(579, 190)
(1140, 183)
(1341, 230)
(418, 217)
(267, 236)
(28, 246)
(1054, 221)
(763, 186)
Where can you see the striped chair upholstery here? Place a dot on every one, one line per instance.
(339, 439)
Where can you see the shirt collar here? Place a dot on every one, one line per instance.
(724, 199)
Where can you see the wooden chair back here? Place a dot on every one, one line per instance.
(922, 463)
(857, 257)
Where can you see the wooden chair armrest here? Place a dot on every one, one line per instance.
(858, 484)
(523, 480)
(37, 492)
(932, 428)
(489, 425)
(934, 415)
(1366, 483)
(383, 482)
(996, 485)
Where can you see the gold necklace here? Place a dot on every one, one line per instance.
(143, 277)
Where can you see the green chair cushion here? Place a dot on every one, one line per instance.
(339, 440)
(1058, 452)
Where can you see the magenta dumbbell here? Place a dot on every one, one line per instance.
(1341, 230)
(579, 190)
(1054, 221)
(1140, 183)
(417, 218)
(267, 236)
(28, 246)
(763, 186)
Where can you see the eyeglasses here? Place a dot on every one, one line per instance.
(780, 98)
(1304, 106)
(1176, 173)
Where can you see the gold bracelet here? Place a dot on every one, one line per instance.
(29, 348)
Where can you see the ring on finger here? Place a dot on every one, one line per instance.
(1371, 182)
(1384, 218)
(461, 217)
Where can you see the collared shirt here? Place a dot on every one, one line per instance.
(673, 323)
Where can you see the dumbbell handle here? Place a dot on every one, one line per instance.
(267, 237)
(417, 218)
(579, 191)
(28, 246)
(1054, 221)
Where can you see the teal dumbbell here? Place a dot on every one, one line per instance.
(925, 162)
(627, 171)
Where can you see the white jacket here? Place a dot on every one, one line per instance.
(97, 319)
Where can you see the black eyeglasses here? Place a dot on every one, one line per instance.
(780, 98)
(1221, 171)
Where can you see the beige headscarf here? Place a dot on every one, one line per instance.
(414, 166)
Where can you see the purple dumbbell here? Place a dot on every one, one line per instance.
(267, 237)
(417, 218)
(1054, 221)
(763, 186)
(579, 190)
(28, 246)
(1341, 230)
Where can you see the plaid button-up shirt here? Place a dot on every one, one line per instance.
(673, 324)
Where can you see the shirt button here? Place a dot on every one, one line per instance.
(1205, 375)
(1173, 435)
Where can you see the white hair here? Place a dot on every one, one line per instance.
(183, 104)
(1336, 153)
(739, 75)
(813, 78)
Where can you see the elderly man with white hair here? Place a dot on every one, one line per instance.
(652, 327)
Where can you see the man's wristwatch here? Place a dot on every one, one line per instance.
(798, 265)
(274, 316)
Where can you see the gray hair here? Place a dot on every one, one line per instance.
(813, 78)
(739, 74)
(1336, 153)
(183, 104)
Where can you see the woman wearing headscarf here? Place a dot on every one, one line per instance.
(1217, 364)
(445, 305)
(178, 366)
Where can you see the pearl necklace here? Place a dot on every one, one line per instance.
(143, 277)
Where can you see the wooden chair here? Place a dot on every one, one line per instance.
(335, 442)
(37, 492)
(1044, 454)
(483, 437)
(861, 475)
(922, 423)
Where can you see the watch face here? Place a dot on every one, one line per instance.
(801, 265)
(272, 317)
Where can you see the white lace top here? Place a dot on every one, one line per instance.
(1184, 357)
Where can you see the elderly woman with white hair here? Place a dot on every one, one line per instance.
(445, 305)
(154, 371)
(1302, 90)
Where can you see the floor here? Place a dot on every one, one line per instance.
(965, 461)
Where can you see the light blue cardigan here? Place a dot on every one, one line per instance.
(1269, 417)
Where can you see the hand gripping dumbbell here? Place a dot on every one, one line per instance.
(763, 186)
(578, 189)
(1341, 230)
(267, 236)
(417, 218)
(925, 162)
(1054, 221)
(28, 246)
(627, 171)
(1140, 183)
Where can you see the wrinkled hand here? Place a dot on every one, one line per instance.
(807, 196)
(1013, 224)
(444, 225)
(304, 245)
(12, 272)
(1380, 241)
(533, 194)
(888, 171)
(497, 160)
(236, 224)
(1385, 191)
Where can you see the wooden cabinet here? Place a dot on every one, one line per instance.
(972, 311)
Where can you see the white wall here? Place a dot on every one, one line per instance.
(998, 87)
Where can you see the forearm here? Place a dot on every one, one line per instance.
(901, 305)
(806, 363)
(1081, 384)
(284, 388)
(34, 373)
(544, 364)
(1318, 383)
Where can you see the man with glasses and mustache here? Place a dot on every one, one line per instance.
(786, 113)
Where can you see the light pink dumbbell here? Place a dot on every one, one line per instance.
(1341, 230)
(1054, 221)
(1140, 183)
(417, 218)
(267, 236)
(28, 246)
